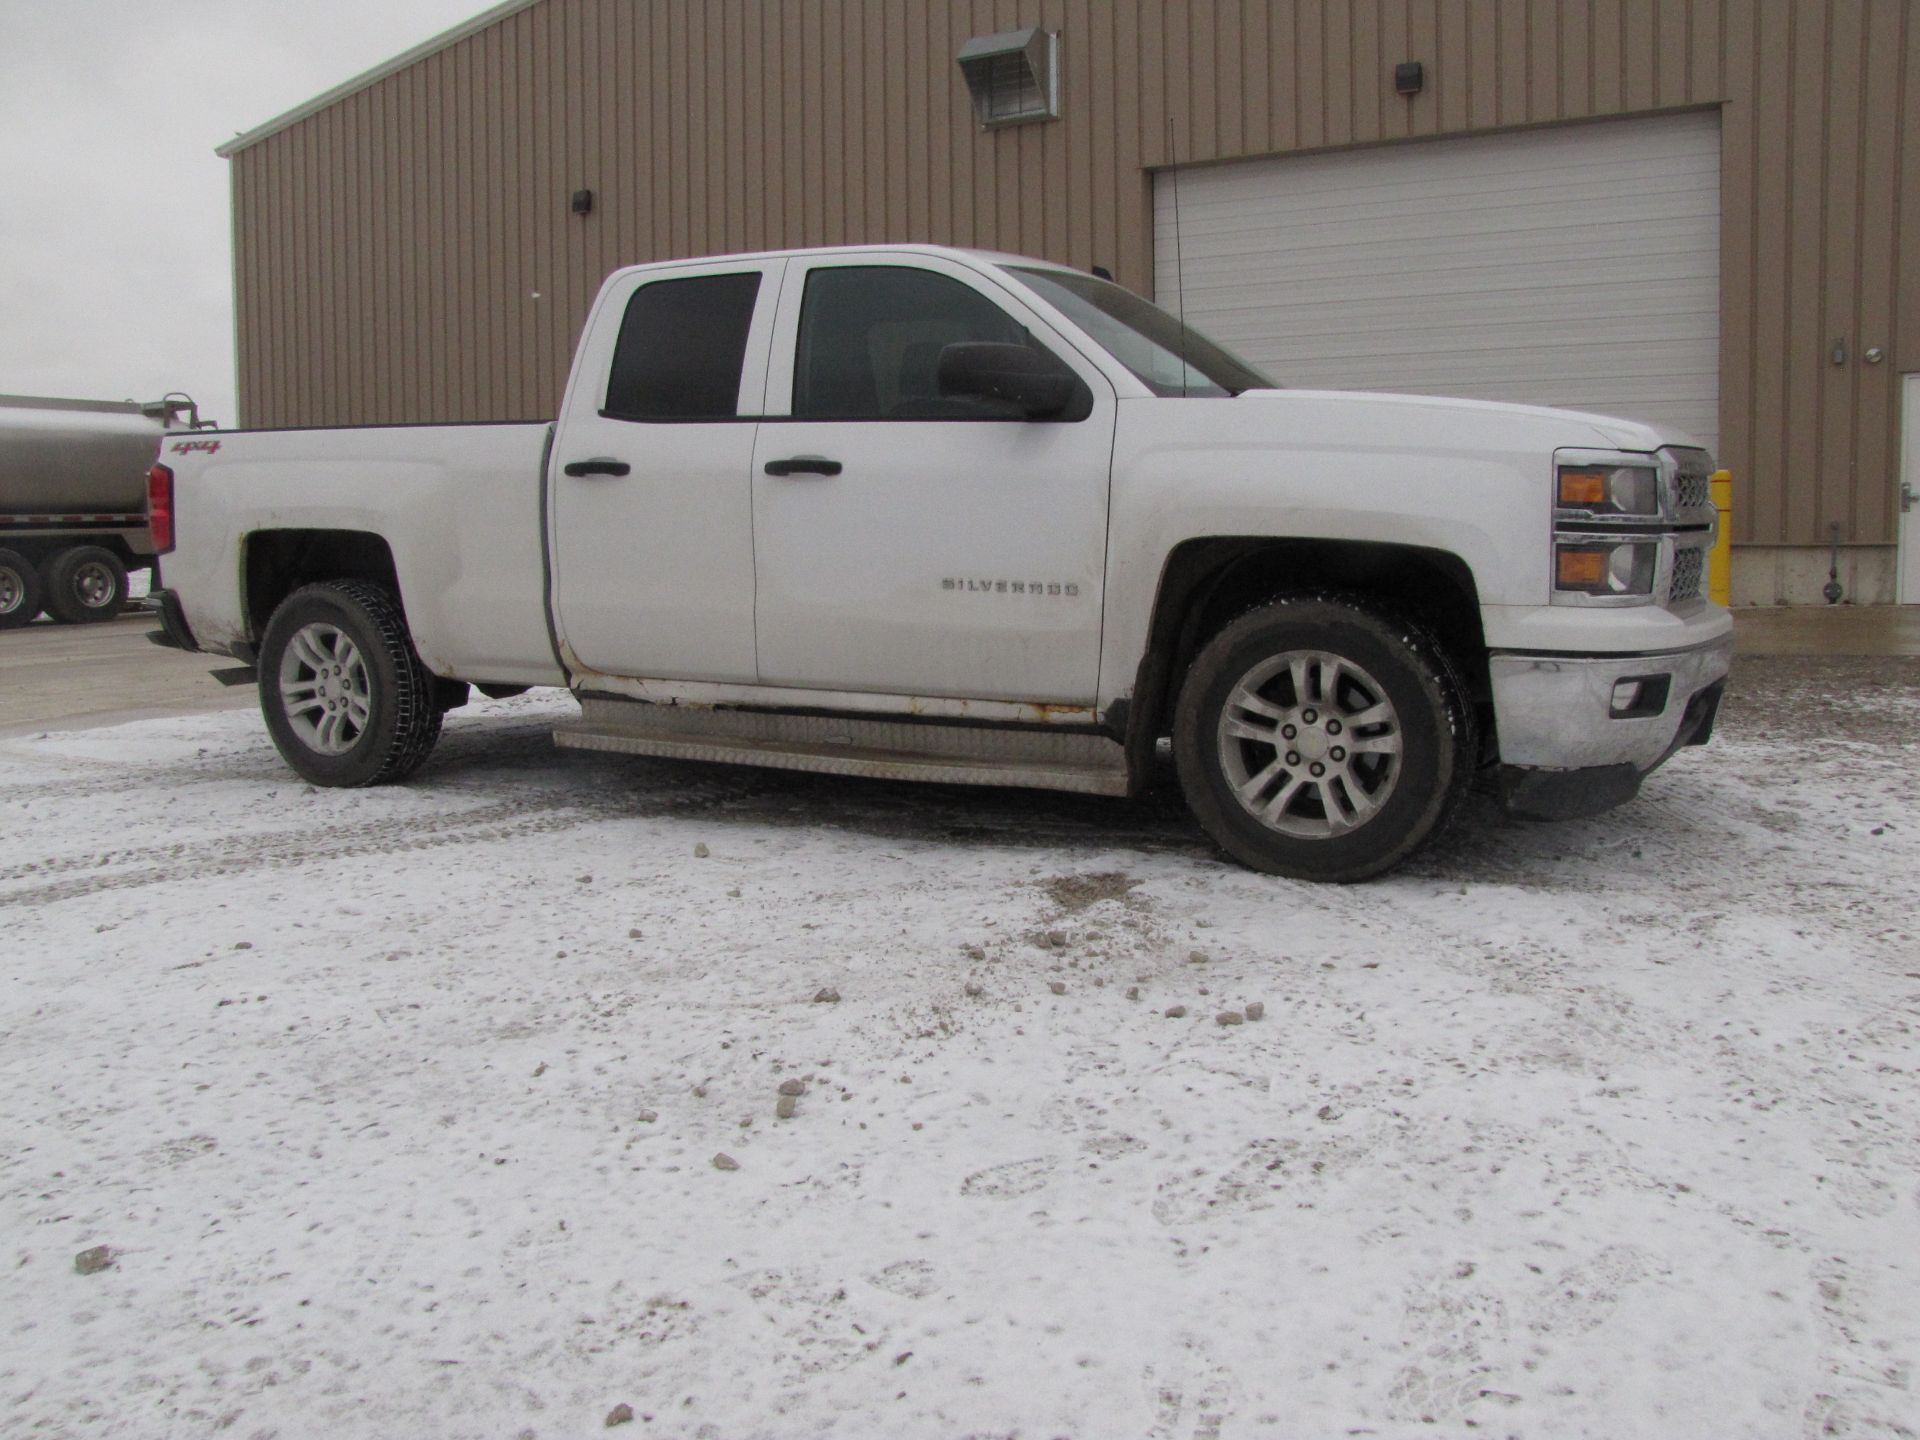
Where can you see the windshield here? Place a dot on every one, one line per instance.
(1168, 357)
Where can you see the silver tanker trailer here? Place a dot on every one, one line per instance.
(73, 495)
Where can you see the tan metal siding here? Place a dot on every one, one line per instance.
(1890, 241)
(1906, 336)
(389, 248)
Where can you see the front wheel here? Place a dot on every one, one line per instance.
(1320, 739)
(346, 697)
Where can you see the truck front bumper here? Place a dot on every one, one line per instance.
(1578, 733)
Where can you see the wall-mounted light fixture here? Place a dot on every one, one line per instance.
(1409, 78)
(583, 202)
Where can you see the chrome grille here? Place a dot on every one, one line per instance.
(1692, 481)
(1688, 566)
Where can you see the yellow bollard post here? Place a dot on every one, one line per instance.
(1720, 563)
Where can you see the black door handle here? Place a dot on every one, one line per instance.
(804, 465)
(600, 465)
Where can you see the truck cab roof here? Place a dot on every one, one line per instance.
(946, 252)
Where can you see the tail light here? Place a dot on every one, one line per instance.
(160, 508)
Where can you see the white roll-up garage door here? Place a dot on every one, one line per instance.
(1578, 266)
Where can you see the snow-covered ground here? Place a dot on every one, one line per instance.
(399, 1109)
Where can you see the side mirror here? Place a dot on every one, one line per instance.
(1030, 381)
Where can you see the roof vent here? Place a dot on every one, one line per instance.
(1014, 76)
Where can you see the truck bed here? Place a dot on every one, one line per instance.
(458, 506)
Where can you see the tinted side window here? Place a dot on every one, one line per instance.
(680, 349)
(870, 343)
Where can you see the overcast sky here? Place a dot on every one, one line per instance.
(115, 250)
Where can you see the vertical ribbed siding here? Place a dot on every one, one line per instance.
(408, 253)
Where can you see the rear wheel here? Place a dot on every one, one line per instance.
(345, 695)
(1321, 739)
(19, 590)
(85, 584)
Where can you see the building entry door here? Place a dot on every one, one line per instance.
(1910, 491)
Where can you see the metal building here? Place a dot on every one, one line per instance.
(1706, 211)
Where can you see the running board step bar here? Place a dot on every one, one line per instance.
(840, 745)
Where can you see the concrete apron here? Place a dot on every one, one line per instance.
(1827, 630)
(67, 677)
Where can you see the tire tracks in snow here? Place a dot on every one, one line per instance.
(487, 742)
(359, 839)
(558, 800)
(301, 848)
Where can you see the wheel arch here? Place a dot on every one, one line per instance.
(1209, 581)
(275, 563)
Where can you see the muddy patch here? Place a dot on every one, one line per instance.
(1072, 894)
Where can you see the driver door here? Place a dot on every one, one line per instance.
(910, 544)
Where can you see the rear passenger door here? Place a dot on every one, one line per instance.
(652, 486)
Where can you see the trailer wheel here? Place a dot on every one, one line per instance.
(19, 590)
(85, 584)
(345, 695)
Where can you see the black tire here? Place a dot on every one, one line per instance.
(367, 718)
(1328, 811)
(19, 590)
(84, 585)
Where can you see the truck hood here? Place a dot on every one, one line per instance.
(1446, 413)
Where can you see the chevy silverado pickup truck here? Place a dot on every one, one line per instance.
(944, 515)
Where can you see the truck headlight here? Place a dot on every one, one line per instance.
(1609, 489)
(1589, 567)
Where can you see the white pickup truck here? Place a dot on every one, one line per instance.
(935, 514)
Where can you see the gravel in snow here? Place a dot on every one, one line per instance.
(400, 1110)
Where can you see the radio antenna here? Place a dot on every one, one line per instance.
(1179, 274)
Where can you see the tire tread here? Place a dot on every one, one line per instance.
(1456, 709)
(31, 590)
(58, 595)
(416, 718)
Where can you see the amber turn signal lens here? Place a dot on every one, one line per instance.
(1582, 569)
(1584, 488)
